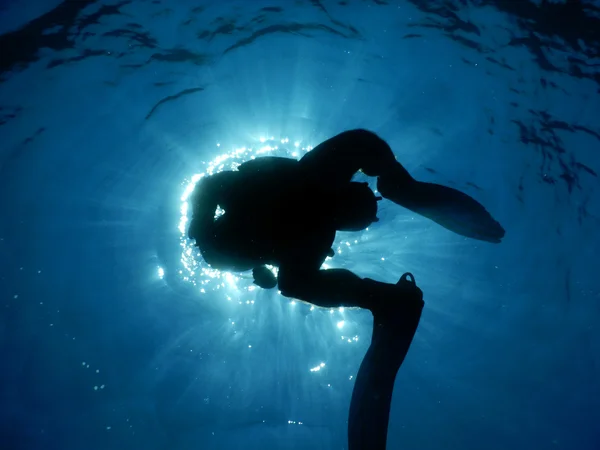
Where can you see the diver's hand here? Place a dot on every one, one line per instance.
(264, 278)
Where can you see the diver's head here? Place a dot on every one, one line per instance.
(354, 207)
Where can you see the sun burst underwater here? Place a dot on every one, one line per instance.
(238, 288)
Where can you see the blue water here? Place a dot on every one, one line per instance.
(115, 335)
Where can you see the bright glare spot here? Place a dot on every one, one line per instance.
(340, 324)
(317, 368)
(161, 273)
(350, 340)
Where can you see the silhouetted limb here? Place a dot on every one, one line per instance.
(448, 207)
(394, 325)
(396, 313)
(340, 157)
(333, 288)
(337, 159)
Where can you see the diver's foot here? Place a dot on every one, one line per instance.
(395, 324)
(396, 306)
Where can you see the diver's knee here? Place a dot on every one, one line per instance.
(285, 284)
(290, 283)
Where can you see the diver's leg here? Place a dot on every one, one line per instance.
(335, 288)
(396, 313)
(340, 157)
(394, 326)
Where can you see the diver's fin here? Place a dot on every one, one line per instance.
(450, 208)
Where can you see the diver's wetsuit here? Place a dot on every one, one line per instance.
(278, 211)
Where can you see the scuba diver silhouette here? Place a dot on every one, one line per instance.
(285, 212)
